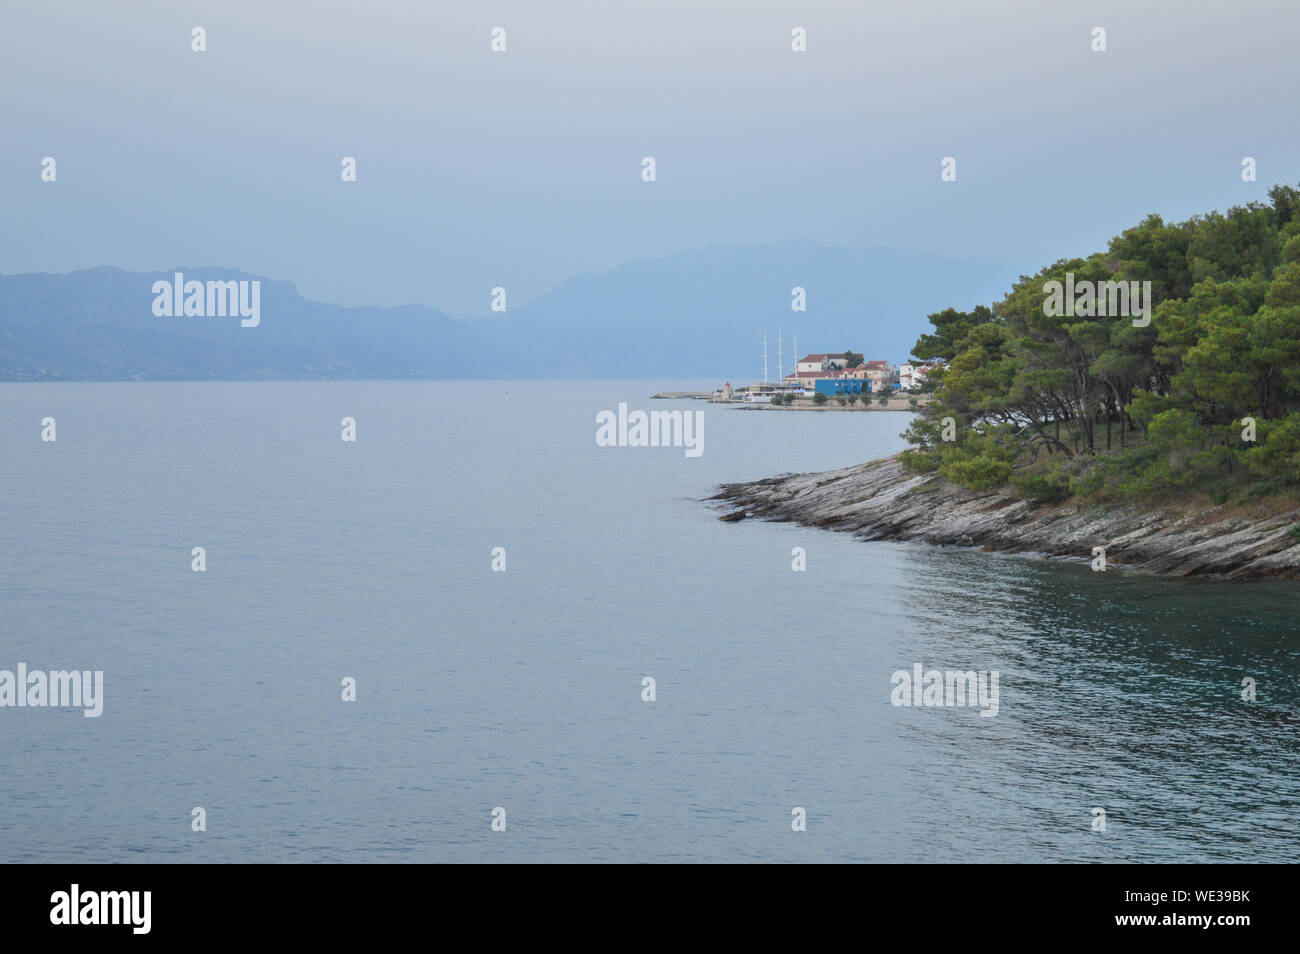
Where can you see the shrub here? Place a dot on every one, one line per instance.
(1051, 487)
(819, 399)
(1086, 484)
(919, 461)
(1277, 452)
(981, 472)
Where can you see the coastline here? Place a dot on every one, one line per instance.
(828, 406)
(900, 403)
(878, 501)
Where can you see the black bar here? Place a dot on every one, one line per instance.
(209, 903)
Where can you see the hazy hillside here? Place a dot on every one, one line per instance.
(99, 325)
(703, 313)
(696, 314)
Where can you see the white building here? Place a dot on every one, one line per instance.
(911, 376)
(820, 362)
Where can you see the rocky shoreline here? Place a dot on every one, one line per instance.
(878, 501)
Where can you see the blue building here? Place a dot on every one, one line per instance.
(835, 386)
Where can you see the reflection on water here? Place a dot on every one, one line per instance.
(1124, 691)
(523, 689)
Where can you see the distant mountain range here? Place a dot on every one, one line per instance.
(699, 314)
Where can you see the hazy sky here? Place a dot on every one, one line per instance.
(522, 168)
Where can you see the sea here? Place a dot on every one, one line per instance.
(472, 634)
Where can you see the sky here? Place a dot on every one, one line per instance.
(519, 169)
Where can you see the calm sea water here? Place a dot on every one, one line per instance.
(522, 689)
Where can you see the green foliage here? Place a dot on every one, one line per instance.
(1291, 251)
(1082, 401)
(1050, 486)
(951, 327)
(1242, 243)
(1091, 483)
(919, 461)
(982, 462)
(981, 472)
(1277, 447)
(819, 399)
